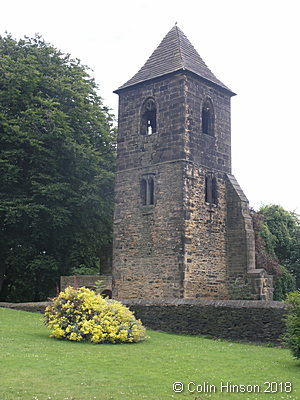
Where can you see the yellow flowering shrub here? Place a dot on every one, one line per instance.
(82, 315)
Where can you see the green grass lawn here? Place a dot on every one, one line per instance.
(34, 366)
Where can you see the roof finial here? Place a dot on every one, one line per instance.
(176, 23)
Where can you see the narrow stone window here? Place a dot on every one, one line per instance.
(151, 190)
(208, 118)
(208, 190)
(147, 191)
(211, 195)
(148, 120)
(144, 191)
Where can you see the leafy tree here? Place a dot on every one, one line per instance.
(264, 253)
(293, 264)
(284, 284)
(266, 257)
(282, 226)
(284, 237)
(57, 158)
(292, 320)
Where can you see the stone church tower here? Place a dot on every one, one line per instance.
(182, 227)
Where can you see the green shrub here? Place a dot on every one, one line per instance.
(284, 284)
(293, 323)
(82, 315)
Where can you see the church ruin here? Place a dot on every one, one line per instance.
(182, 227)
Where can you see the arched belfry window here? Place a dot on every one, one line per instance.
(211, 193)
(148, 117)
(208, 118)
(147, 190)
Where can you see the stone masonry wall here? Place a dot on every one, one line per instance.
(147, 254)
(212, 152)
(179, 238)
(148, 258)
(244, 280)
(205, 238)
(205, 223)
(136, 150)
(240, 234)
(180, 246)
(254, 321)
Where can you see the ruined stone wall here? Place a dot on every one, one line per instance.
(243, 279)
(240, 234)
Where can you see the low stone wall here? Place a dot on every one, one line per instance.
(242, 320)
(246, 320)
(31, 307)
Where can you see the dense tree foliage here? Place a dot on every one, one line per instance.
(284, 283)
(56, 169)
(265, 256)
(284, 237)
(277, 239)
(292, 319)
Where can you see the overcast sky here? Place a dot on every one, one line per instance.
(251, 46)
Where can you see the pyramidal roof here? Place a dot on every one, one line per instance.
(174, 53)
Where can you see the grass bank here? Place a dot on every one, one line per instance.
(36, 367)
